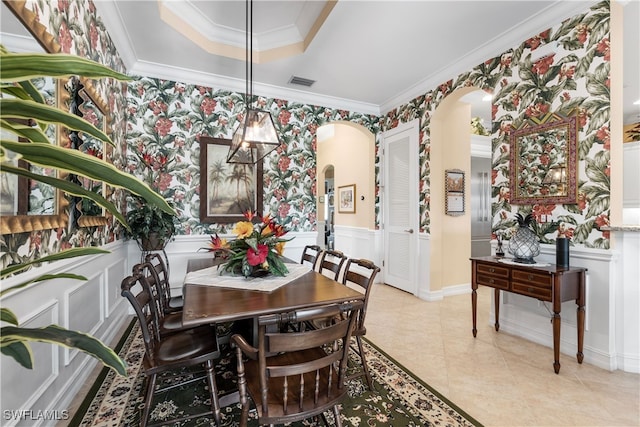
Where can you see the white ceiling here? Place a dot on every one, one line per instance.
(367, 56)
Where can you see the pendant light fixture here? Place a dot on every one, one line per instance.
(256, 135)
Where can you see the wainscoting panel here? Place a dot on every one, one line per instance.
(34, 383)
(58, 372)
(87, 300)
(358, 242)
(115, 272)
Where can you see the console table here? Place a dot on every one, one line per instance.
(550, 283)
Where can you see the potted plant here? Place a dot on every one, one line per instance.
(25, 102)
(150, 226)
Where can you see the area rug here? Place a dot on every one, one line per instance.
(399, 398)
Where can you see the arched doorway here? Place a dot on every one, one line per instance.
(349, 149)
(451, 148)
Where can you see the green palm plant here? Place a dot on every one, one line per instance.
(25, 102)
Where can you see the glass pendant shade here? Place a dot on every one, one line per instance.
(254, 138)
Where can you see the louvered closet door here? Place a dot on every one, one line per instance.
(400, 216)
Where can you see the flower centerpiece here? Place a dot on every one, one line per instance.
(257, 249)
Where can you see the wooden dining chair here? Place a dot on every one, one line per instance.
(161, 273)
(168, 321)
(170, 353)
(360, 275)
(331, 260)
(292, 376)
(310, 255)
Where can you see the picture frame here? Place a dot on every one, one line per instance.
(454, 192)
(227, 190)
(347, 199)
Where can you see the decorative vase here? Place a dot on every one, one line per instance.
(524, 244)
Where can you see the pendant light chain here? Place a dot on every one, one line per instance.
(246, 54)
(251, 52)
(256, 135)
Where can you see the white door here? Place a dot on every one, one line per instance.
(401, 212)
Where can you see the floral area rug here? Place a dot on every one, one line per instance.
(399, 399)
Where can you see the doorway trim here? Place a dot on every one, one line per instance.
(410, 130)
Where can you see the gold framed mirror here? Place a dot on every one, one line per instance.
(84, 212)
(543, 162)
(59, 212)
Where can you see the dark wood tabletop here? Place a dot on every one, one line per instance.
(213, 304)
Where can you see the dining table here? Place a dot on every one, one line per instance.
(212, 303)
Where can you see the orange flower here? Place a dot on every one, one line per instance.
(280, 248)
(218, 244)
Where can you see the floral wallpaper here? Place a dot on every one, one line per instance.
(574, 80)
(165, 123)
(156, 125)
(78, 30)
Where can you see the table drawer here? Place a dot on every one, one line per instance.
(530, 289)
(494, 282)
(492, 270)
(534, 279)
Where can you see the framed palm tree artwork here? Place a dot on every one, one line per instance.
(227, 190)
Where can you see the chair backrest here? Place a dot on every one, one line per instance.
(313, 379)
(360, 274)
(159, 277)
(140, 295)
(333, 261)
(310, 255)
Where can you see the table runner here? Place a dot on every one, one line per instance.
(211, 276)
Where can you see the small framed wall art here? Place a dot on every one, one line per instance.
(347, 199)
(454, 192)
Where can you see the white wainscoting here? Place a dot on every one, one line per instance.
(357, 242)
(93, 306)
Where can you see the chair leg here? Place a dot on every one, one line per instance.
(336, 414)
(213, 388)
(151, 387)
(365, 368)
(242, 389)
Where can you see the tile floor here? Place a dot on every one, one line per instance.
(497, 378)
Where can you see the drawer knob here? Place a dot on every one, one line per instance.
(530, 289)
(493, 270)
(491, 281)
(530, 277)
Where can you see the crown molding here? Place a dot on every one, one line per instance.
(112, 20)
(162, 71)
(544, 19)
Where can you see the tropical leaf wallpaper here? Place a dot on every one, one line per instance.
(166, 120)
(157, 124)
(574, 80)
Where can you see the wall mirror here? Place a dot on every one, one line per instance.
(85, 212)
(49, 209)
(543, 162)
